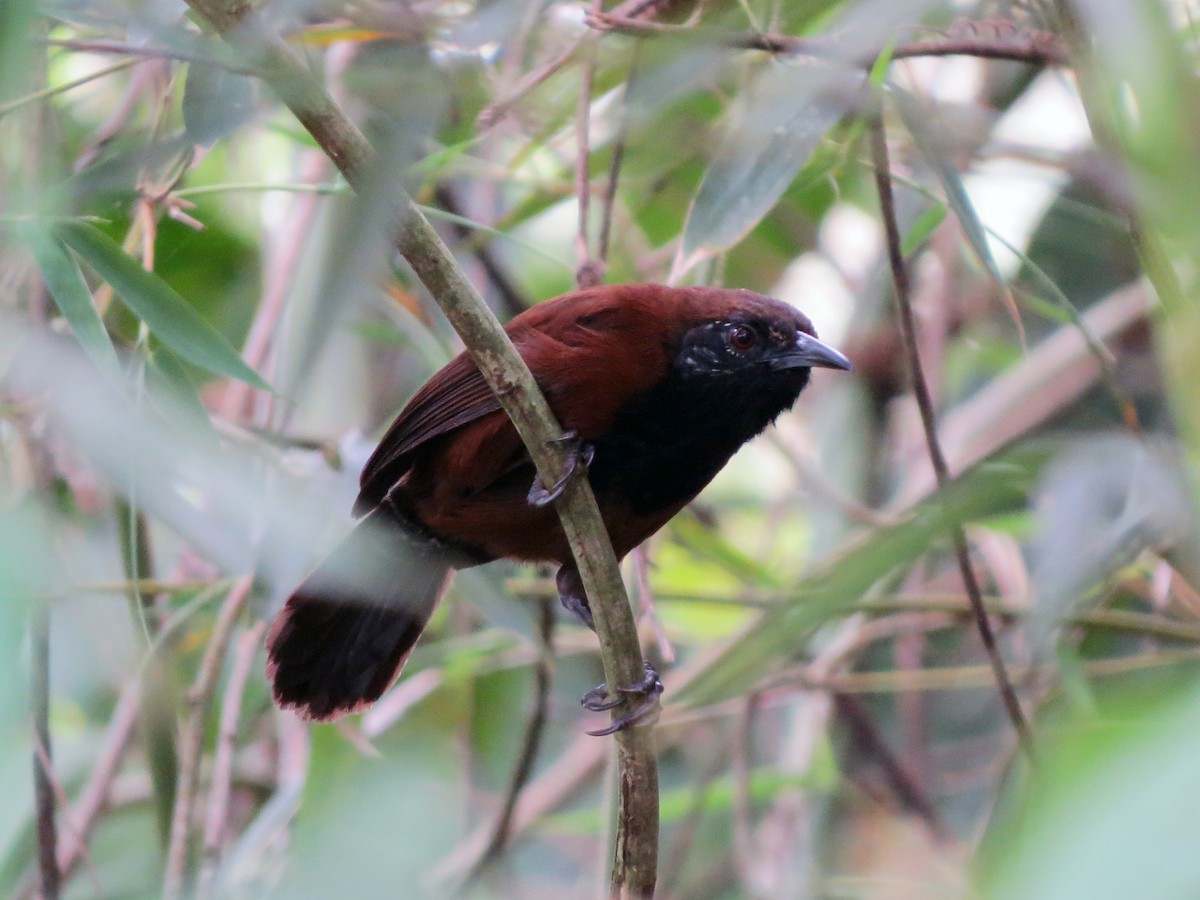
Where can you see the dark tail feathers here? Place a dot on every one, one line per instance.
(344, 635)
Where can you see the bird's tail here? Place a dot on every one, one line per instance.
(346, 632)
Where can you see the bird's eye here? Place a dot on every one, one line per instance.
(742, 338)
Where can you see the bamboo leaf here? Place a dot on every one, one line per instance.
(168, 315)
(216, 102)
(175, 396)
(1107, 813)
(775, 127)
(921, 229)
(931, 145)
(70, 292)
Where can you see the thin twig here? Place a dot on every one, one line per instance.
(902, 783)
(285, 249)
(1118, 620)
(818, 485)
(577, 764)
(511, 298)
(683, 840)
(222, 777)
(646, 607)
(144, 586)
(44, 93)
(631, 10)
(907, 322)
(85, 812)
(1051, 376)
(635, 862)
(740, 764)
(590, 271)
(959, 678)
(191, 738)
(140, 52)
(1037, 47)
(543, 672)
(43, 786)
(498, 108)
(618, 157)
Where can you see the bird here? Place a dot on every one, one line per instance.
(655, 388)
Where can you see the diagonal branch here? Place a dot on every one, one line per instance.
(543, 672)
(883, 181)
(191, 737)
(634, 867)
(216, 813)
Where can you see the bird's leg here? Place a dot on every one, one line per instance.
(579, 457)
(572, 595)
(574, 598)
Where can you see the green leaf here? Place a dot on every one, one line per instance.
(931, 144)
(174, 394)
(1110, 811)
(883, 62)
(775, 127)
(168, 315)
(66, 284)
(921, 229)
(1066, 310)
(436, 214)
(437, 160)
(28, 570)
(693, 534)
(215, 102)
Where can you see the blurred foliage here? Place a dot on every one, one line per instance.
(172, 242)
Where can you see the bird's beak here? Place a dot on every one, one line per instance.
(808, 352)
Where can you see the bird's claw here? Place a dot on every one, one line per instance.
(649, 688)
(643, 715)
(598, 699)
(579, 457)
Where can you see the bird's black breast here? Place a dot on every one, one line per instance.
(673, 440)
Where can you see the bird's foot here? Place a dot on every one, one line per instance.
(579, 457)
(648, 689)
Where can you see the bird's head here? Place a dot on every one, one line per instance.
(743, 334)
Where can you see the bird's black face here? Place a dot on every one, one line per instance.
(731, 377)
(748, 344)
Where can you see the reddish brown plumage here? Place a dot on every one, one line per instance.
(647, 375)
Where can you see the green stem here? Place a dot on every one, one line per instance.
(45, 93)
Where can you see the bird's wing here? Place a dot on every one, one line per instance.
(590, 352)
(454, 396)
